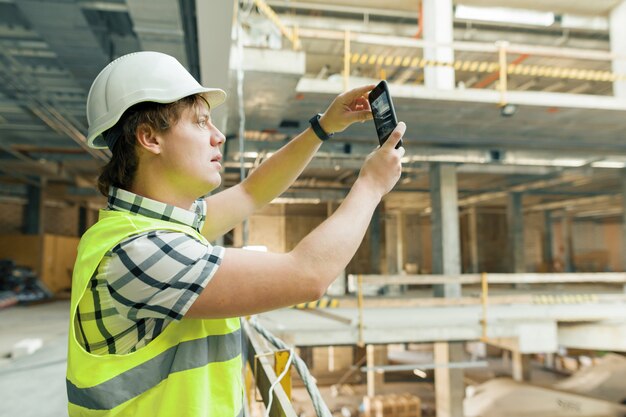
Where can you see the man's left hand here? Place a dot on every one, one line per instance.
(349, 107)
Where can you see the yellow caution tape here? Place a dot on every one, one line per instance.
(324, 302)
(489, 67)
(564, 299)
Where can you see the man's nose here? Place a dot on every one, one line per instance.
(217, 138)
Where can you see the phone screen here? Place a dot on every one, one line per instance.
(383, 117)
(384, 114)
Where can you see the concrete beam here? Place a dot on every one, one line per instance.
(533, 324)
(617, 30)
(608, 335)
(275, 61)
(532, 337)
(473, 95)
(314, 194)
(214, 26)
(159, 26)
(78, 48)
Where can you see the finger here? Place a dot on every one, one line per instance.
(395, 136)
(362, 101)
(360, 104)
(360, 116)
(358, 92)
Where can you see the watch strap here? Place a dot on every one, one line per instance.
(317, 128)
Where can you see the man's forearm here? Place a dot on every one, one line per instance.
(326, 251)
(278, 172)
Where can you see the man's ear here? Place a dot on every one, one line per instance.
(147, 138)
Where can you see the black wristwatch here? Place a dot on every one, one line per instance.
(317, 128)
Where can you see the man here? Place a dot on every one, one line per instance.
(155, 308)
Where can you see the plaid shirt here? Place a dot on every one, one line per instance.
(147, 280)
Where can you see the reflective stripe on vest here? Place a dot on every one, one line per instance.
(134, 382)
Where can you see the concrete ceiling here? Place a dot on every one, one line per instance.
(580, 7)
(598, 7)
(51, 50)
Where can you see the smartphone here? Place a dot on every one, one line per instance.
(384, 114)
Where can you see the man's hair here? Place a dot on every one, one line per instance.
(121, 169)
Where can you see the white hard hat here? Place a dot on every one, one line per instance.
(134, 78)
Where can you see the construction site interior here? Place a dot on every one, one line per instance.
(491, 280)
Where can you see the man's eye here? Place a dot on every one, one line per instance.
(202, 122)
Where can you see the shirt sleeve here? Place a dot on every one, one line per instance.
(159, 274)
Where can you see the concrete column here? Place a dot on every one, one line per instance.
(548, 242)
(375, 236)
(400, 234)
(33, 211)
(391, 245)
(376, 355)
(445, 226)
(521, 366)
(438, 27)
(393, 248)
(515, 222)
(82, 219)
(448, 382)
(214, 25)
(401, 258)
(624, 222)
(617, 23)
(566, 232)
(306, 354)
(446, 260)
(473, 239)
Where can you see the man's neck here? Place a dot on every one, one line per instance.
(156, 188)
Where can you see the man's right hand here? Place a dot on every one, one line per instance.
(382, 168)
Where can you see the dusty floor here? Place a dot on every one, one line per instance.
(34, 385)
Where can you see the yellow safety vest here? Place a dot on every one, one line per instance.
(193, 368)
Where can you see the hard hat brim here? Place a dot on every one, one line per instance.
(214, 96)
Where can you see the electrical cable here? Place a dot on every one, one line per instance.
(278, 379)
(321, 409)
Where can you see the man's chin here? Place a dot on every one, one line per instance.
(213, 186)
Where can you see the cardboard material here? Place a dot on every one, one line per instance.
(392, 405)
(52, 257)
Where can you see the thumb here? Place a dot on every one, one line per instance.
(395, 136)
